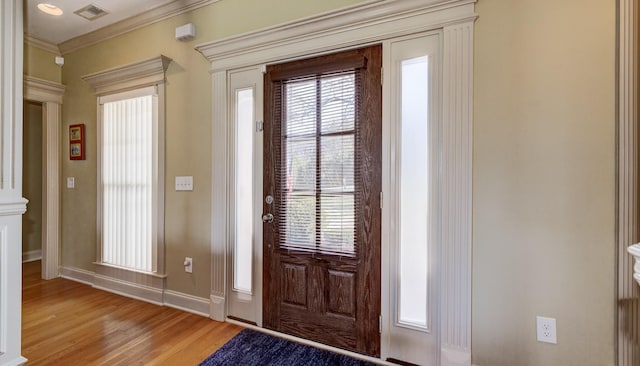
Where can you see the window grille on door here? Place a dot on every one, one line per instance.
(318, 172)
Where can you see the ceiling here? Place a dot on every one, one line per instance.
(57, 29)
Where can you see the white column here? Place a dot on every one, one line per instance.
(219, 202)
(12, 205)
(455, 318)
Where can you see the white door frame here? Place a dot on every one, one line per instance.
(50, 95)
(355, 26)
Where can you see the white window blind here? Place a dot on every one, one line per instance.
(317, 179)
(128, 133)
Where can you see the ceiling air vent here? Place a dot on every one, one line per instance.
(91, 12)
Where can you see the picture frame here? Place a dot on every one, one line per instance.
(76, 142)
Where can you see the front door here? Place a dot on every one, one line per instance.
(322, 184)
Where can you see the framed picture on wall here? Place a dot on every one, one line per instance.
(76, 142)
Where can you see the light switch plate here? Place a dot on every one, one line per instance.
(184, 183)
(71, 182)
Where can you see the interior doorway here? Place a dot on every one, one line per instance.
(49, 94)
(32, 157)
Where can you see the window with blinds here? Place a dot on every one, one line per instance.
(318, 168)
(128, 134)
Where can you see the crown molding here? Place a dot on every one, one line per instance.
(135, 75)
(354, 25)
(41, 90)
(135, 22)
(39, 43)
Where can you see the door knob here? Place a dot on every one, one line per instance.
(267, 218)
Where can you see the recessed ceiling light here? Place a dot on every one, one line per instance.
(50, 9)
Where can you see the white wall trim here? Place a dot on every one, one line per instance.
(185, 302)
(31, 256)
(152, 16)
(44, 45)
(128, 289)
(77, 274)
(359, 25)
(134, 75)
(628, 306)
(12, 205)
(456, 195)
(150, 292)
(219, 199)
(51, 95)
(40, 90)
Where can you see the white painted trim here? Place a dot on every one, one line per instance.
(51, 189)
(32, 256)
(4, 284)
(50, 94)
(77, 274)
(13, 208)
(43, 45)
(162, 12)
(627, 180)
(219, 199)
(307, 342)
(177, 300)
(131, 76)
(137, 75)
(455, 357)
(217, 308)
(360, 24)
(43, 91)
(186, 302)
(128, 289)
(12, 204)
(456, 184)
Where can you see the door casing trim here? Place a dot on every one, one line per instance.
(342, 29)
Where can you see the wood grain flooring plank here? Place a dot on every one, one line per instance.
(70, 323)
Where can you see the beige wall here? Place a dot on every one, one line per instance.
(188, 128)
(543, 165)
(41, 64)
(32, 177)
(544, 176)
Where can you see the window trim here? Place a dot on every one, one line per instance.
(122, 82)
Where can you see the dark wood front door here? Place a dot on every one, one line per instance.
(322, 151)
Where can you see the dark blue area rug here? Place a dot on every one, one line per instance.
(254, 348)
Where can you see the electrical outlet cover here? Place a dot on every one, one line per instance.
(546, 329)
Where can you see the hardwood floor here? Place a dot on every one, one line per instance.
(69, 323)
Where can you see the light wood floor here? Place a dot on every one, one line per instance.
(68, 323)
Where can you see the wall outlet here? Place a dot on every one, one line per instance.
(546, 329)
(188, 265)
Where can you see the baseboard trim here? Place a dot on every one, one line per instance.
(455, 356)
(16, 362)
(217, 308)
(177, 300)
(31, 256)
(188, 303)
(77, 274)
(129, 289)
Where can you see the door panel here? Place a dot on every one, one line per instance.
(412, 267)
(323, 167)
(244, 276)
